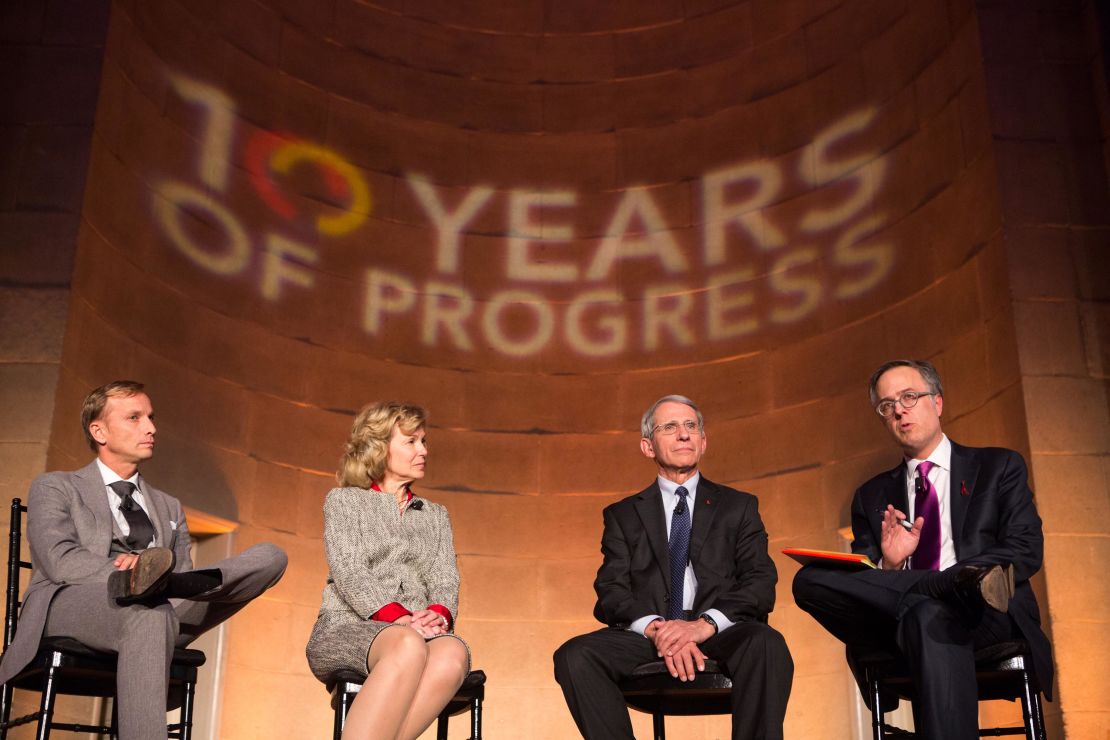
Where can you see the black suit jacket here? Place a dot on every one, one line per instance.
(728, 549)
(994, 521)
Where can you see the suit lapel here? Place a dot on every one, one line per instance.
(90, 486)
(965, 469)
(705, 509)
(649, 507)
(896, 494)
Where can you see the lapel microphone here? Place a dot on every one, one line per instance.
(416, 505)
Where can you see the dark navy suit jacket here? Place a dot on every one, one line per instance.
(994, 521)
(728, 549)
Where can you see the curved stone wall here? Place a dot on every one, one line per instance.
(533, 220)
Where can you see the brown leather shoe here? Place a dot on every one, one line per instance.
(147, 578)
(992, 585)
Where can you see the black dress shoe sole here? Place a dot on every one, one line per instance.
(997, 587)
(150, 574)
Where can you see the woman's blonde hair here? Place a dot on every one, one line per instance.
(367, 451)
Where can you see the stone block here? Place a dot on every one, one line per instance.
(582, 16)
(1050, 339)
(1066, 415)
(20, 463)
(575, 57)
(1068, 556)
(33, 324)
(256, 704)
(1080, 646)
(305, 576)
(1033, 183)
(566, 587)
(500, 588)
(1092, 262)
(1040, 263)
(895, 58)
(779, 63)
(773, 18)
(1071, 493)
(253, 27)
(27, 401)
(718, 34)
(38, 247)
(845, 30)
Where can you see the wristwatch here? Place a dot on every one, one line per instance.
(712, 622)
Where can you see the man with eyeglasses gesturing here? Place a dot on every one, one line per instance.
(957, 538)
(685, 576)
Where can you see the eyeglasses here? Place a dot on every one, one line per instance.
(907, 400)
(671, 427)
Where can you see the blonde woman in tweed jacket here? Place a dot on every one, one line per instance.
(393, 587)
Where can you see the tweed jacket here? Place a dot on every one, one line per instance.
(70, 530)
(376, 556)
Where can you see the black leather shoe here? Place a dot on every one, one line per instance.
(992, 585)
(148, 577)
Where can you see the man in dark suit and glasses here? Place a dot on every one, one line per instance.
(112, 563)
(957, 537)
(685, 576)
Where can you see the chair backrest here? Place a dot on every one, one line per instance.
(15, 564)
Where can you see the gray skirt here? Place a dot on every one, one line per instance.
(337, 643)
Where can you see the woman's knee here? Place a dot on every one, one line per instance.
(399, 646)
(449, 656)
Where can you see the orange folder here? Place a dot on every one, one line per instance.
(830, 558)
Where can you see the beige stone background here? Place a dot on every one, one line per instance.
(984, 165)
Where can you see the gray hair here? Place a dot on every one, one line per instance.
(928, 373)
(647, 421)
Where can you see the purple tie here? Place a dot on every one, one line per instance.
(926, 504)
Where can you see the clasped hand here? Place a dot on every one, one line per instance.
(425, 621)
(898, 543)
(676, 642)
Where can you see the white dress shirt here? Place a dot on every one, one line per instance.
(941, 478)
(114, 499)
(667, 489)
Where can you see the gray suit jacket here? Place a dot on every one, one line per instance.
(70, 530)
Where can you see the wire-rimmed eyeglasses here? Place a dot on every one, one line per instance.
(671, 427)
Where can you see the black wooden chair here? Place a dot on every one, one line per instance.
(653, 690)
(343, 685)
(64, 666)
(1003, 671)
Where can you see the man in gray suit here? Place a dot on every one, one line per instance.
(112, 564)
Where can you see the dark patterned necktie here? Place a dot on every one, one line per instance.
(679, 549)
(926, 504)
(142, 531)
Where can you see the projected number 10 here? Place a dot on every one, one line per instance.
(265, 152)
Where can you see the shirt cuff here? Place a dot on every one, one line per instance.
(723, 622)
(444, 612)
(391, 612)
(641, 624)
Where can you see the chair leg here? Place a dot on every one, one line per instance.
(46, 703)
(342, 704)
(476, 719)
(189, 690)
(1038, 717)
(659, 724)
(1031, 709)
(441, 725)
(5, 710)
(876, 708)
